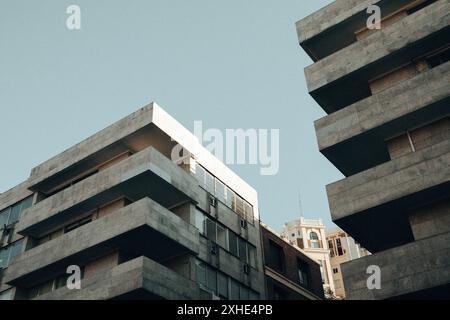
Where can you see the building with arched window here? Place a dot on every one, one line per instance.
(309, 235)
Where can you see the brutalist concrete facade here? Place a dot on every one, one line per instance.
(138, 221)
(386, 93)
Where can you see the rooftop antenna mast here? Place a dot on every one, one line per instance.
(300, 206)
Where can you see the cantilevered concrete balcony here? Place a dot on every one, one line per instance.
(343, 136)
(380, 198)
(343, 17)
(140, 278)
(145, 174)
(143, 228)
(342, 78)
(417, 270)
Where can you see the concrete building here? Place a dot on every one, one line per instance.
(138, 224)
(289, 273)
(343, 248)
(309, 235)
(386, 93)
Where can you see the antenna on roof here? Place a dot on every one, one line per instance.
(300, 206)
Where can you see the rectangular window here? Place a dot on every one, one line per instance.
(4, 216)
(339, 247)
(222, 285)
(212, 279)
(6, 295)
(201, 273)
(222, 239)
(210, 183)
(303, 273)
(8, 253)
(220, 191)
(242, 250)
(243, 293)
(233, 241)
(248, 209)
(200, 221)
(251, 251)
(276, 256)
(77, 224)
(239, 206)
(200, 175)
(210, 230)
(230, 199)
(234, 290)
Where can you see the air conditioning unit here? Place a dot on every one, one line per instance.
(246, 268)
(212, 200)
(243, 224)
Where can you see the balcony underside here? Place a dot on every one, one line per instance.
(143, 228)
(140, 278)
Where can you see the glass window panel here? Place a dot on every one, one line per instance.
(200, 175)
(26, 203)
(4, 253)
(239, 206)
(234, 290)
(243, 293)
(4, 215)
(200, 221)
(248, 209)
(210, 183)
(253, 295)
(6, 295)
(242, 250)
(16, 249)
(210, 230)
(222, 237)
(201, 273)
(15, 213)
(212, 279)
(220, 191)
(230, 199)
(251, 251)
(222, 285)
(233, 243)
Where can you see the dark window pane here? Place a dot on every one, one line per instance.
(200, 221)
(222, 237)
(233, 241)
(26, 203)
(4, 215)
(242, 250)
(201, 273)
(15, 213)
(275, 256)
(230, 199)
(212, 280)
(210, 229)
(243, 293)
(222, 285)
(234, 290)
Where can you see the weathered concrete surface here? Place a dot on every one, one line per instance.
(409, 268)
(379, 45)
(380, 109)
(395, 179)
(108, 232)
(14, 195)
(165, 179)
(329, 16)
(140, 274)
(93, 144)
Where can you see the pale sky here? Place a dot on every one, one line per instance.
(231, 64)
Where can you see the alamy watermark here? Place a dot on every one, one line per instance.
(237, 146)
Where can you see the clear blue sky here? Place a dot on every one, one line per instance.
(231, 64)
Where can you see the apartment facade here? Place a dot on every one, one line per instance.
(309, 235)
(289, 273)
(343, 248)
(387, 129)
(142, 210)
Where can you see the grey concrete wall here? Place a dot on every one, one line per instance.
(430, 220)
(390, 181)
(393, 103)
(409, 268)
(141, 213)
(140, 273)
(94, 143)
(378, 45)
(146, 160)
